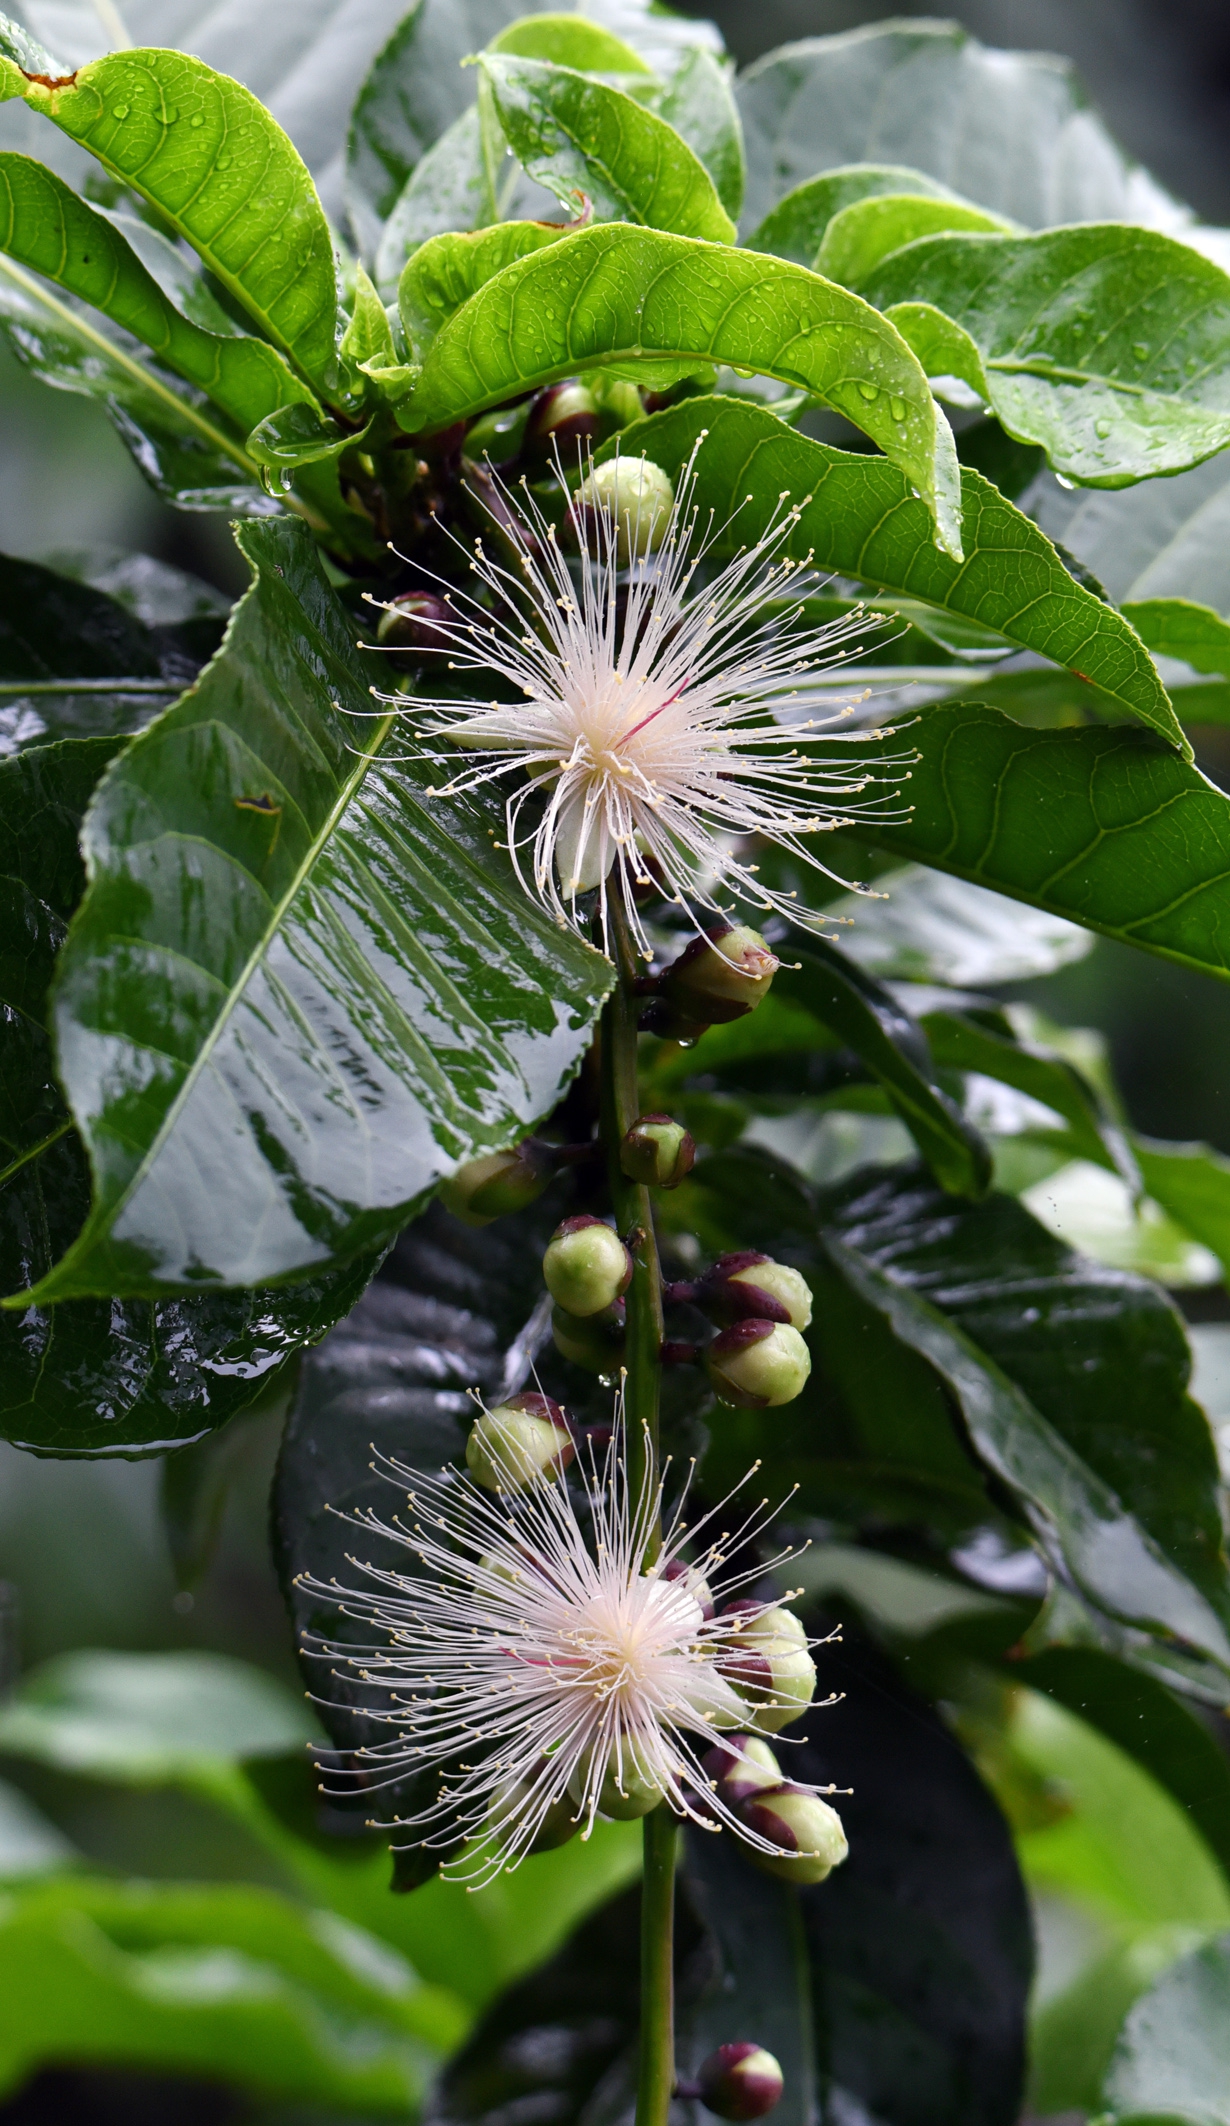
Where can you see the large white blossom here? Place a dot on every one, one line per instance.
(661, 719)
(530, 1658)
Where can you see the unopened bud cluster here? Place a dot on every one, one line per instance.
(809, 1834)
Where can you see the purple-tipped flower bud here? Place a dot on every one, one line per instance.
(640, 498)
(742, 1768)
(518, 1443)
(720, 976)
(416, 621)
(657, 1151)
(562, 415)
(695, 1582)
(498, 1182)
(809, 1832)
(508, 1804)
(757, 1365)
(769, 1665)
(586, 1267)
(596, 1343)
(750, 1286)
(739, 2082)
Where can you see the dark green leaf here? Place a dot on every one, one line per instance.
(1105, 344)
(930, 928)
(616, 296)
(866, 1018)
(867, 230)
(964, 1043)
(44, 225)
(316, 993)
(206, 153)
(225, 1981)
(54, 629)
(1011, 130)
(583, 139)
(700, 105)
(1169, 2065)
(1147, 1721)
(1178, 627)
(795, 227)
(860, 519)
(1064, 818)
(446, 191)
(758, 1975)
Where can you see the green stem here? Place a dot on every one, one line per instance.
(634, 1220)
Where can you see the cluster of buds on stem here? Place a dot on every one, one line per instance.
(720, 976)
(809, 1833)
(759, 1360)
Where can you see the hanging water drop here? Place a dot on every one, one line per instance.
(870, 391)
(897, 409)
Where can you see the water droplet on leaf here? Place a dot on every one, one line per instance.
(870, 391)
(897, 409)
(119, 110)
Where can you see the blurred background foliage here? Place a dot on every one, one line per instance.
(1122, 1883)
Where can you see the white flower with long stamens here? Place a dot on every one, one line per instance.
(527, 1667)
(659, 724)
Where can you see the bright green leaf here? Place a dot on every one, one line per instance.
(614, 296)
(795, 227)
(862, 521)
(1178, 627)
(945, 349)
(861, 234)
(207, 154)
(961, 1042)
(582, 138)
(351, 996)
(1108, 345)
(149, 1718)
(569, 40)
(930, 928)
(447, 270)
(700, 105)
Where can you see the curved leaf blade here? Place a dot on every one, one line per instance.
(569, 40)
(294, 996)
(615, 295)
(701, 107)
(207, 154)
(866, 231)
(1182, 627)
(795, 227)
(583, 139)
(1108, 345)
(861, 520)
(447, 270)
(1102, 826)
(1169, 2065)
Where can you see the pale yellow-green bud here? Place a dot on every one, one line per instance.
(518, 1443)
(757, 1365)
(586, 1267)
(640, 497)
(807, 1829)
(769, 1665)
(508, 1803)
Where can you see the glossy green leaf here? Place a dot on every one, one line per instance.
(191, 457)
(866, 1018)
(225, 1981)
(583, 139)
(700, 105)
(862, 521)
(931, 928)
(867, 230)
(1192, 1183)
(447, 270)
(795, 227)
(351, 995)
(617, 295)
(1169, 2065)
(960, 1041)
(944, 348)
(1179, 627)
(415, 90)
(46, 226)
(569, 40)
(1105, 344)
(1163, 539)
(1011, 130)
(1102, 826)
(99, 1377)
(446, 191)
(146, 1718)
(206, 153)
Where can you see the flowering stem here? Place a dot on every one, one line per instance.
(634, 1218)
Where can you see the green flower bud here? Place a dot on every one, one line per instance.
(586, 1267)
(498, 1182)
(560, 1823)
(740, 2082)
(518, 1443)
(657, 1151)
(617, 398)
(418, 620)
(807, 1829)
(695, 1582)
(720, 976)
(742, 1768)
(769, 1665)
(750, 1286)
(597, 1343)
(562, 416)
(757, 1365)
(631, 1791)
(640, 497)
